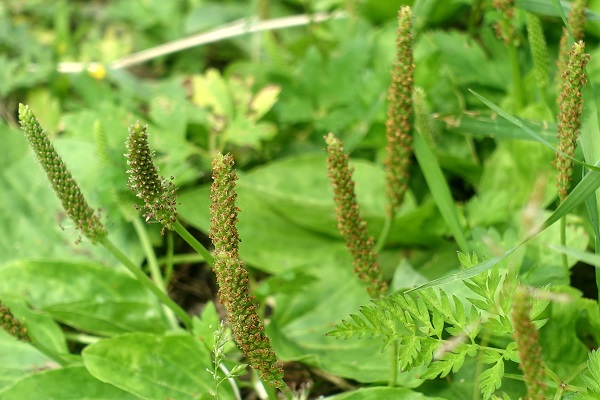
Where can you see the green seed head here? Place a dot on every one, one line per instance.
(12, 325)
(158, 194)
(63, 183)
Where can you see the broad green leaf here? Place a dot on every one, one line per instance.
(269, 242)
(88, 296)
(301, 321)
(19, 359)
(382, 393)
(72, 383)
(153, 367)
(40, 327)
(300, 190)
(36, 225)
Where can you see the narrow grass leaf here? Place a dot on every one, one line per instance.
(439, 189)
(588, 185)
(467, 273)
(586, 257)
(584, 189)
(590, 144)
(527, 130)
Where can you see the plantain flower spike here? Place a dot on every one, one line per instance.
(12, 325)
(232, 277)
(64, 185)
(504, 28)
(576, 22)
(350, 224)
(539, 49)
(530, 352)
(158, 194)
(569, 115)
(400, 114)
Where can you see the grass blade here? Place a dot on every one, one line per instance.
(588, 185)
(439, 189)
(527, 130)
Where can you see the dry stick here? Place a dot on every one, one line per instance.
(238, 28)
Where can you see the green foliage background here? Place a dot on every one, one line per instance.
(269, 98)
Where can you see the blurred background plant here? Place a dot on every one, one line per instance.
(269, 97)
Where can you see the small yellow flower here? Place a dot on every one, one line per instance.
(97, 71)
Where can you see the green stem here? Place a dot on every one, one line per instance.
(485, 340)
(563, 384)
(192, 241)
(155, 273)
(563, 243)
(148, 283)
(49, 353)
(516, 76)
(385, 232)
(179, 259)
(169, 257)
(81, 338)
(394, 366)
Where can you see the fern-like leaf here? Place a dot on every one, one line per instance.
(491, 378)
(451, 361)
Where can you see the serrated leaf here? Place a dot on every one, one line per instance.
(459, 309)
(491, 379)
(593, 364)
(490, 356)
(512, 353)
(475, 288)
(450, 362)
(410, 347)
(438, 323)
(480, 304)
(496, 324)
(428, 347)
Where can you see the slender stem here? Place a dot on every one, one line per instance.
(575, 373)
(385, 232)
(563, 384)
(485, 340)
(147, 282)
(140, 229)
(394, 365)
(192, 241)
(169, 259)
(516, 75)
(81, 338)
(234, 387)
(179, 259)
(153, 264)
(563, 243)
